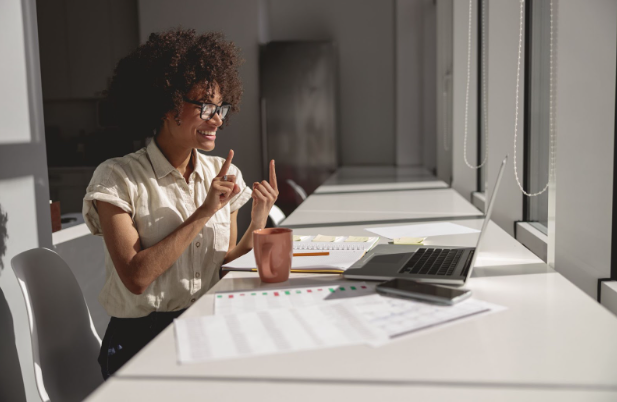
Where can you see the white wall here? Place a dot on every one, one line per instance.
(503, 33)
(364, 31)
(464, 179)
(24, 190)
(443, 85)
(239, 21)
(585, 124)
(415, 88)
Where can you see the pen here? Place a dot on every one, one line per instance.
(311, 254)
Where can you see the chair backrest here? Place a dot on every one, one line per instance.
(65, 344)
(298, 190)
(276, 216)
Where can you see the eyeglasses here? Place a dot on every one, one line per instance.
(209, 109)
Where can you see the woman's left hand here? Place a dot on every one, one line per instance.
(264, 196)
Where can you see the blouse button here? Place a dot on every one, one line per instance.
(192, 300)
(197, 275)
(197, 244)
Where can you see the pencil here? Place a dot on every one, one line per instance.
(311, 254)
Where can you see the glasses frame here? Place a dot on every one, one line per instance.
(217, 108)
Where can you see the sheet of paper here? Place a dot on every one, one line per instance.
(256, 300)
(423, 230)
(273, 331)
(409, 240)
(397, 316)
(324, 238)
(356, 239)
(338, 260)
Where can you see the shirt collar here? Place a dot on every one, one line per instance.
(161, 165)
(198, 165)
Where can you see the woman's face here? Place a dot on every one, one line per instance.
(194, 132)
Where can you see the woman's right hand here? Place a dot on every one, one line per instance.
(221, 190)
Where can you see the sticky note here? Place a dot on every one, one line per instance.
(324, 238)
(408, 240)
(357, 238)
(297, 238)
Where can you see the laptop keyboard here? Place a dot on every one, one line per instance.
(431, 261)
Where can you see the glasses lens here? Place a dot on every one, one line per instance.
(208, 111)
(224, 111)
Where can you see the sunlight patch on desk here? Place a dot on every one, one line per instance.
(497, 259)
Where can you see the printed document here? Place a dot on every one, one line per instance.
(272, 331)
(259, 300)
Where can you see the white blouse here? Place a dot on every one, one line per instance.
(158, 198)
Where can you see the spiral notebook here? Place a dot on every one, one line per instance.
(343, 253)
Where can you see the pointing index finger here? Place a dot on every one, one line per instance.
(226, 165)
(273, 183)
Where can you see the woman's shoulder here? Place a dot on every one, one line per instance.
(119, 167)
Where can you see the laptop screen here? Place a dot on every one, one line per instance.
(487, 218)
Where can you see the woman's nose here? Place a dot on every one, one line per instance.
(216, 120)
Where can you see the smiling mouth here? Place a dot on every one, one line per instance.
(211, 135)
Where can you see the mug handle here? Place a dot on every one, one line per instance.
(267, 260)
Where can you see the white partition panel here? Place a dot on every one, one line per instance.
(585, 123)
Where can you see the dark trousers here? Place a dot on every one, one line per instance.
(127, 336)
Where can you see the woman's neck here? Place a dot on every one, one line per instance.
(180, 158)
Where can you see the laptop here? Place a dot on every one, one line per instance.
(431, 264)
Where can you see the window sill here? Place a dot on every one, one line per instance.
(532, 238)
(609, 296)
(478, 200)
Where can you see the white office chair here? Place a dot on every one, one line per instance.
(65, 345)
(276, 216)
(298, 190)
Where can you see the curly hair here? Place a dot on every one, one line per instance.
(153, 80)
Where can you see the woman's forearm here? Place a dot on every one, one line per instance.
(150, 263)
(244, 246)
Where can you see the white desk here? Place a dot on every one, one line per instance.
(389, 206)
(552, 334)
(373, 174)
(166, 390)
(552, 342)
(380, 178)
(427, 184)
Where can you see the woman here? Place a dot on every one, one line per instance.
(167, 213)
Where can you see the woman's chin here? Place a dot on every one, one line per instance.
(206, 145)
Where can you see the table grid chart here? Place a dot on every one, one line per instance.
(241, 302)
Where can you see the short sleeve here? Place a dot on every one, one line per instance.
(245, 192)
(110, 184)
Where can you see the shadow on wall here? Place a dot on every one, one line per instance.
(4, 218)
(11, 384)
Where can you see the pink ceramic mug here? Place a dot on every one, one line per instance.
(273, 253)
